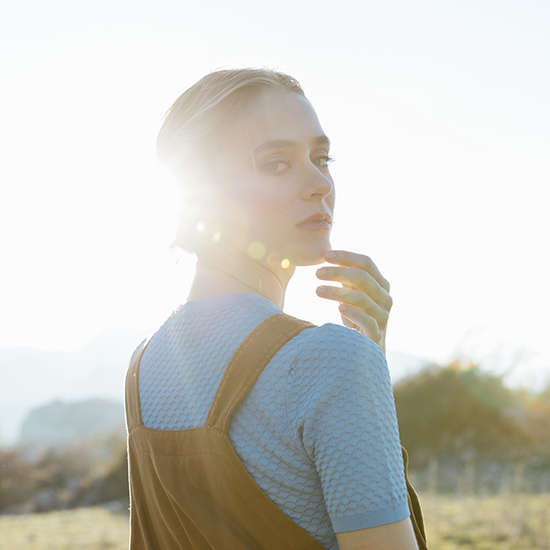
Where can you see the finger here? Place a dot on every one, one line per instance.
(358, 279)
(368, 325)
(359, 261)
(357, 299)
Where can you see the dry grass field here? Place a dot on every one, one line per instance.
(81, 529)
(509, 522)
(505, 522)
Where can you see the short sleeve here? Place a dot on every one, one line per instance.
(342, 409)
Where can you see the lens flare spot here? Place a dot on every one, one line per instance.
(200, 227)
(285, 264)
(273, 259)
(256, 250)
(216, 236)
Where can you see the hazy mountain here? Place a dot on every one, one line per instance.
(60, 423)
(402, 365)
(30, 378)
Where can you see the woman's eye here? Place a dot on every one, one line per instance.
(276, 166)
(322, 162)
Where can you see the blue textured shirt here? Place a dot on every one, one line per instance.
(317, 431)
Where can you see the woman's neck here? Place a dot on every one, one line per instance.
(222, 272)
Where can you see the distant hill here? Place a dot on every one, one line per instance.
(61, 423)
(32, 377)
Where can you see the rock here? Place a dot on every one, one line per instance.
(46, 500)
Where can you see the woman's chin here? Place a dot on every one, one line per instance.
(311, 255)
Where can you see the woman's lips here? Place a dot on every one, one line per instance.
(315, 222)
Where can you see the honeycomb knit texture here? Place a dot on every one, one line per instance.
(317, 431)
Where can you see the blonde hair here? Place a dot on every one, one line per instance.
(196, 128)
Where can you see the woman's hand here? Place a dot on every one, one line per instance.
(365, 302)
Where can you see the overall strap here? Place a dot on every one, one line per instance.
(415, 508)
(248, 362)
(131, 390)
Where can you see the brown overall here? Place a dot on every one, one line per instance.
(189, 488)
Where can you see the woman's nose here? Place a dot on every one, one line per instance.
(317, 183)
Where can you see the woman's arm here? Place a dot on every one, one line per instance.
(365, 295)
(392, 536)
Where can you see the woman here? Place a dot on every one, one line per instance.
(317, 431)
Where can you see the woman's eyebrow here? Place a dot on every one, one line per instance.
(322, 140)
(275, 143)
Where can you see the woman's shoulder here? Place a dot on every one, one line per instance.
(339, 372)
(330, 352)
(339, 340)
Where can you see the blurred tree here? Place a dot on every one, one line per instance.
(535, 421)
(459, 410)
(18, 478)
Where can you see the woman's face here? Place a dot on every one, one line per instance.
(277, 196)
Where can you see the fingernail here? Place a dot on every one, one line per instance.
(342, 307)
(321, 271)
(321, 289)
(330, 255)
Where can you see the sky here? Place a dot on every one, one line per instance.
(439, 114)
